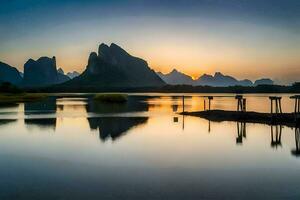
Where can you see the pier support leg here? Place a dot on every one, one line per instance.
(277, 104)
(244, 105)
(297, 106)
(182, 103)
(280, 108)
(271, 106)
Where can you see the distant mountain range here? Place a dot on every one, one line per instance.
(73, 74)
(217, 80)
(176, 78)
(111, 67)
(114, 67)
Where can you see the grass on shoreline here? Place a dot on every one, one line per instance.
(111, 98)
(21, 97)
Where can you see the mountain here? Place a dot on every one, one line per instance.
(9, 74)
(264, 81)
(217, 80)
(114, 67)
(245, 82)
(220, 80)
(61, 71)
(42, 72)
(176, 78)
(73, 74)
(61, 76)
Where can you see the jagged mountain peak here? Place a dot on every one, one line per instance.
(61, 71)
(112, 52)
(73, 74)
(42, 72)
(176, 78)
(114, 67)
(218, 74)
(174, 71)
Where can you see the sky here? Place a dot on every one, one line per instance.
(243, 38)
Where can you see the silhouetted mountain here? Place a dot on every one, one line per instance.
(61, 76)
(179, 78)
(114, 67)
(9, 74)
(220, 80)
(42, 72)
(73, 74)
(245, 82)
(264, 81)
(176, 78)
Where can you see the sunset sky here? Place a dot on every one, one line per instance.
(243, 38)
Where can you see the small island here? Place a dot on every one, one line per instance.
(111, 98)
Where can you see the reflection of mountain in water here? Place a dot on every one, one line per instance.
(6, 121)
(42, 122)
(114, 127)
(47, 106)
(134, 104)
(41, 107)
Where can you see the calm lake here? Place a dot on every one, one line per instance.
(75, 148)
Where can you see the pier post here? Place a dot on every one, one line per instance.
(277, 104)
(183, 103)
(209, 101)
(241, 103)
(244, 105)
(297, 106)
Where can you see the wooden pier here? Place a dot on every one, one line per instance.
(274, 117)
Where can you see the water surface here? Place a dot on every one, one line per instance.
(76, 148)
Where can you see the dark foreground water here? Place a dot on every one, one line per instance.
(75, 148)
